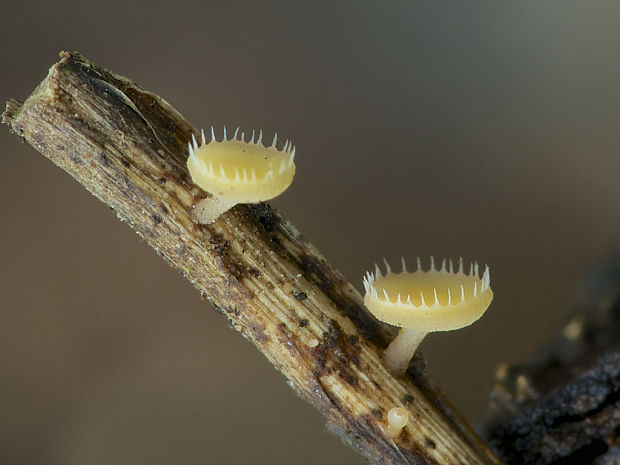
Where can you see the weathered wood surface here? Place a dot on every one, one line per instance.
(128, 147)
(564, 406)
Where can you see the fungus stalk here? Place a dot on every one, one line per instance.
(424, 301)
(208, 210)
(401, 349)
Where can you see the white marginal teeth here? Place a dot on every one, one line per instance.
(275, 138)
(252, 139)
(377, 271)
(260, 137)
(225, 133)
(191, 149)
(486, 278)
(212, 134)
(481, 284)
(194, 141)
(222, 172)
(236, 132)
(388, 270)
(202, 136)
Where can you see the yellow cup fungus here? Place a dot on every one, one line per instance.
(420, 302)
(398, 418)
(235, 171)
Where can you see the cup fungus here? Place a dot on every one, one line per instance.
(420, 302)
(398, 418)
(235, 171)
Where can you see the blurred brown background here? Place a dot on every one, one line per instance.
(487, 129)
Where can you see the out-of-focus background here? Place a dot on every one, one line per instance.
(484, 129)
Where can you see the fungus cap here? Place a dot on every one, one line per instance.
(433, 300)
(240, 171)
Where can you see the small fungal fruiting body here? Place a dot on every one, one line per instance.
(420, 302)
(235, 171)
(398, 418)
